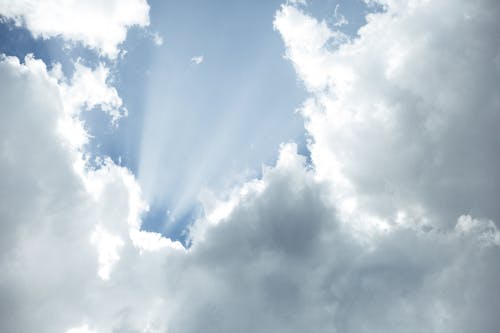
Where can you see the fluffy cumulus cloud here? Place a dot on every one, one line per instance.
(403, 119)
(391, 227)
(101, 25)
(65, 226)
(283, 260)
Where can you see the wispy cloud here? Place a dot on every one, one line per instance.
(197, 60)
(157, 38)
(339, 19)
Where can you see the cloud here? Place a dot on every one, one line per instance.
(90, 88)
(283, 260)
(383, 233)
(280, 258)
(81, 329)
(402, 119)
(197, 60)
(298, 2)
(306, 39)
(340, 19)
(316, 247)
(157, 39)
(65, 226)
(96, 24)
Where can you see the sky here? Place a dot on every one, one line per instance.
(237, 166)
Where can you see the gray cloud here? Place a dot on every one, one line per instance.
(259, 270)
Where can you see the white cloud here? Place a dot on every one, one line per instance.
(278, 259)
(403, 118)
(89, 88)
(197, 60)
(157, 39)
(305, 39)
(101, 25)
(108, 247)
(51, 206)
(298, 2)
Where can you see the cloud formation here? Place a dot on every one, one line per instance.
(402, 119)
(64, 225)
(284, 261)
(100, 25)
(391, 229)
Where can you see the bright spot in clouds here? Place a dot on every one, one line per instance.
(388, 221)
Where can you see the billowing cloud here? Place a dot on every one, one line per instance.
(403, 118)
(65, 227)
(283, 260)
(280, 257)
(394, 228)
(391, 229)
(101, 25)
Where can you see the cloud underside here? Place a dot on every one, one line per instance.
(392, 228)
